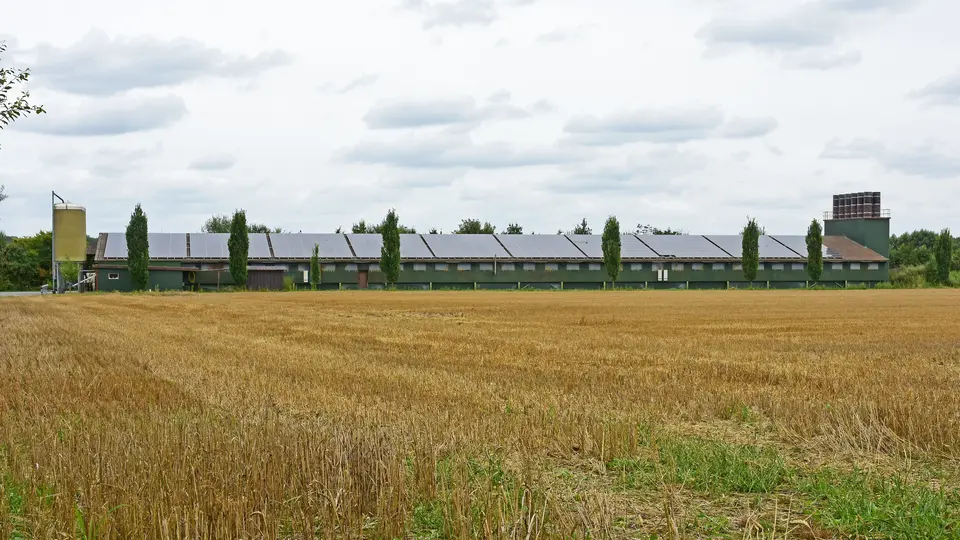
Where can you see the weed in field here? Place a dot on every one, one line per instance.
(859, 504)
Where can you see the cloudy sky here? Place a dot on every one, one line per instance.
(690, 114)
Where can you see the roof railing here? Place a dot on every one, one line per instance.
(885, 213)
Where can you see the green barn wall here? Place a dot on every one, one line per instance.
(540, 277)
(164, 280)
(873, 233)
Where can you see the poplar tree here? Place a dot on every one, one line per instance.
(610, 244)
(138, 249)
(815, 250)
(390, 252)
(751, 250)
(239, 246)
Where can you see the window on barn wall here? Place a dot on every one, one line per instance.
(873, 266)
(551, 267)
(854, 266)
(656, 266)
(113, 276)
(594, 267)
(636, 267)
(419, 267)
(573, 267)
(696, 266)
(441, 267)
(797, 266)
(836, 266)
(761, 266)
(328, 268)
(719, 266)
(508, 267)
(738, 266)
(776, 266)
(486, 267)
(350, 268)
(676, 267)
(529, 267)
(464, 267)
(375, 268)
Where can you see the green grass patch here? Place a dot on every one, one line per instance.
(864, 505)
(718, 468)
(709, 466)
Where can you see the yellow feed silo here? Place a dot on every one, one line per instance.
(69, 232)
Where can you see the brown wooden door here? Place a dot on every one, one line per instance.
(362, 279)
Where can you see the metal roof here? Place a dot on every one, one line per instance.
(479, 247)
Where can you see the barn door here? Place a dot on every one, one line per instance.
(362, 279)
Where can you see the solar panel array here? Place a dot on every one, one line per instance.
(465, 246)
(540, 246)
(798, 243)
(367, 246)
(259, 248)
(683, 246)
(769, 247)
(116, 247)
(300, 246)
(209, 246)
(162, 246)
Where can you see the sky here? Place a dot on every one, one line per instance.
(689, 114)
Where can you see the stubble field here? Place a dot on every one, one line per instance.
(743, 414)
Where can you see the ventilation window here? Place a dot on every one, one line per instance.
(441, 267)
(637, 267)
(776, 266)
(594, 267)
(529, 267)
(419, 267)
(573, 267)
(328, 268)
(836, 266)
(854, 266)
(551, 267)
(697, 266)
(797, 266)
(464, 267)
(657, 266)
(508, 267)
(738, 266)
(113, 276)
(677, 267)
(486, 267)
(873, 266)
(350, 268)
(375, 268)
(719, 266)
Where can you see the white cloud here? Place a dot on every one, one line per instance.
(540, 112)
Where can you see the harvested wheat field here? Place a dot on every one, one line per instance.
(805, 414)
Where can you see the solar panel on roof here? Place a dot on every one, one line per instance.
(769, 247)
(632, 248)
(116, 247)
(590, 244)
(161, 246)
(540, 246)
(209, 246)
(259, 249)
(465, 246)
(300, 246)
(367, 246)
(684, 246)
(798, 243)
